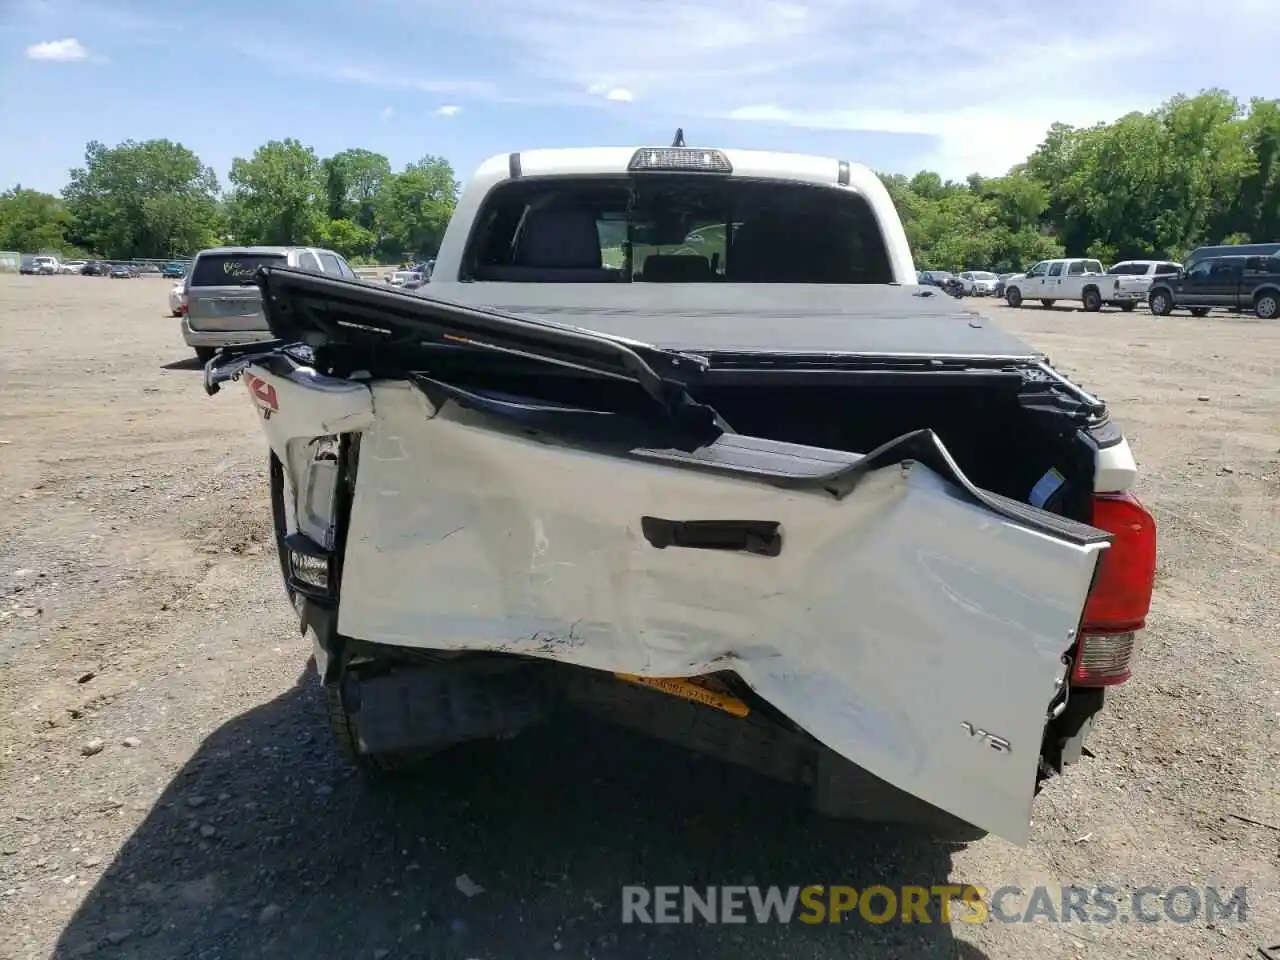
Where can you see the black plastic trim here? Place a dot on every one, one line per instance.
(514, 170)
(1105, 434)
(842, 176)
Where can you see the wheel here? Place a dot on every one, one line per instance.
(204, 354)
(1161, 303)
(1199, 311)
(1091, 299)
(1047, 303)
(1128, 306)
(342, 727)
(1013, 297)
(1267, 305)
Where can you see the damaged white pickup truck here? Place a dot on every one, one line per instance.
(673, 438)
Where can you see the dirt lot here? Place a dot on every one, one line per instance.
(167, 789)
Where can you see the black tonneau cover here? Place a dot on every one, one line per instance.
(859, 320)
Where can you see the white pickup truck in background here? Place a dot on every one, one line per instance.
(674, 439)
(1079, 279)
(1136, 276)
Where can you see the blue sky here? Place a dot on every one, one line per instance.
(899, 85)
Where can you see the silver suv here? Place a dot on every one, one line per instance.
(223, 305)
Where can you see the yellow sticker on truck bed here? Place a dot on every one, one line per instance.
(691, 689)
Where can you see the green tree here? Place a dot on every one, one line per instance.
(348, 238)
(413, 208)
(353, 179)
(277, 195)
(148, 199)
(33, 222)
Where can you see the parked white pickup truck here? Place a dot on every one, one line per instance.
(673, 438)
(1078, 279)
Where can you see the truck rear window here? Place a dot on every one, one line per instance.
(675, 229)
(231, 269)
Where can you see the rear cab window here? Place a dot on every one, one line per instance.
(1129, 270)
(230, 269)
(674, 228)
(332, 264)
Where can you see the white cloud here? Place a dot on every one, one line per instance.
(976, 83)
(449, 110)
(611, 92)
(63, 51)
(388, 113)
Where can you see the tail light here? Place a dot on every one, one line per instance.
(1121, 595)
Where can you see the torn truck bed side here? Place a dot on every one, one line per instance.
(885, 623)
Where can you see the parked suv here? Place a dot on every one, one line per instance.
(1235, 282)
(223, 304)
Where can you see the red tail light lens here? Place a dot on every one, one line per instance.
(1121, 597)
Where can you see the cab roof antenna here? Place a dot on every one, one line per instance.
(679, 138)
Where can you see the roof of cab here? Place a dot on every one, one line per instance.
(571, 161)
(251, 248)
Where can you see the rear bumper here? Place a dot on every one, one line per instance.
(220, 338)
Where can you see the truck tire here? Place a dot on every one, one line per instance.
(342, 727)
(1013, 297)
(1047, 303)
(1267, 305)
(1127, 306)
(1160, 302)
(1091, 300)
(1199, 311)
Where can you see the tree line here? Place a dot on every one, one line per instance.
(1196, 170)
(157, 199)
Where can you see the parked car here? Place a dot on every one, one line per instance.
(27, 267)
(223, 306)
(123, 271)
(96, 268)
(1236, 282)
(977, 283)
(933, 278)
(174, 270)
(44, 266)
(405, 278)
(998, 291)
(1136, 277)
(72, 267)
(663, 514)
(177, 299)
(1074, 278)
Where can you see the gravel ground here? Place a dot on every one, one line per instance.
(167, 788)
